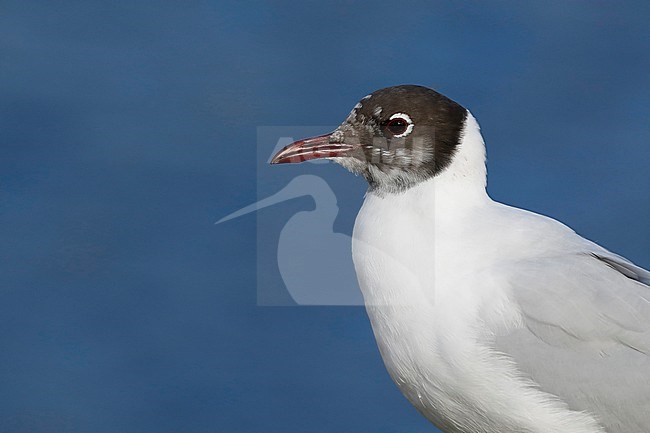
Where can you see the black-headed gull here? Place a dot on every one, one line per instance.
(489, 318)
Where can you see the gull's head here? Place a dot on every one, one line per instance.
(395, 137)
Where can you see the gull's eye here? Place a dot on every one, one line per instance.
(399, 125)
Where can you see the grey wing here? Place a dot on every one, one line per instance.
(585, 335)
(622, 265)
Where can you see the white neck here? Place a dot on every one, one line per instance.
(467, 170)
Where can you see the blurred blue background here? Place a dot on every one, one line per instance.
(128, 128)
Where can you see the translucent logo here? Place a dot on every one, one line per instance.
(301, 260)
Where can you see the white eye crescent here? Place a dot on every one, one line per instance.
(399, 125)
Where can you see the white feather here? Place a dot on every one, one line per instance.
(493, 319)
